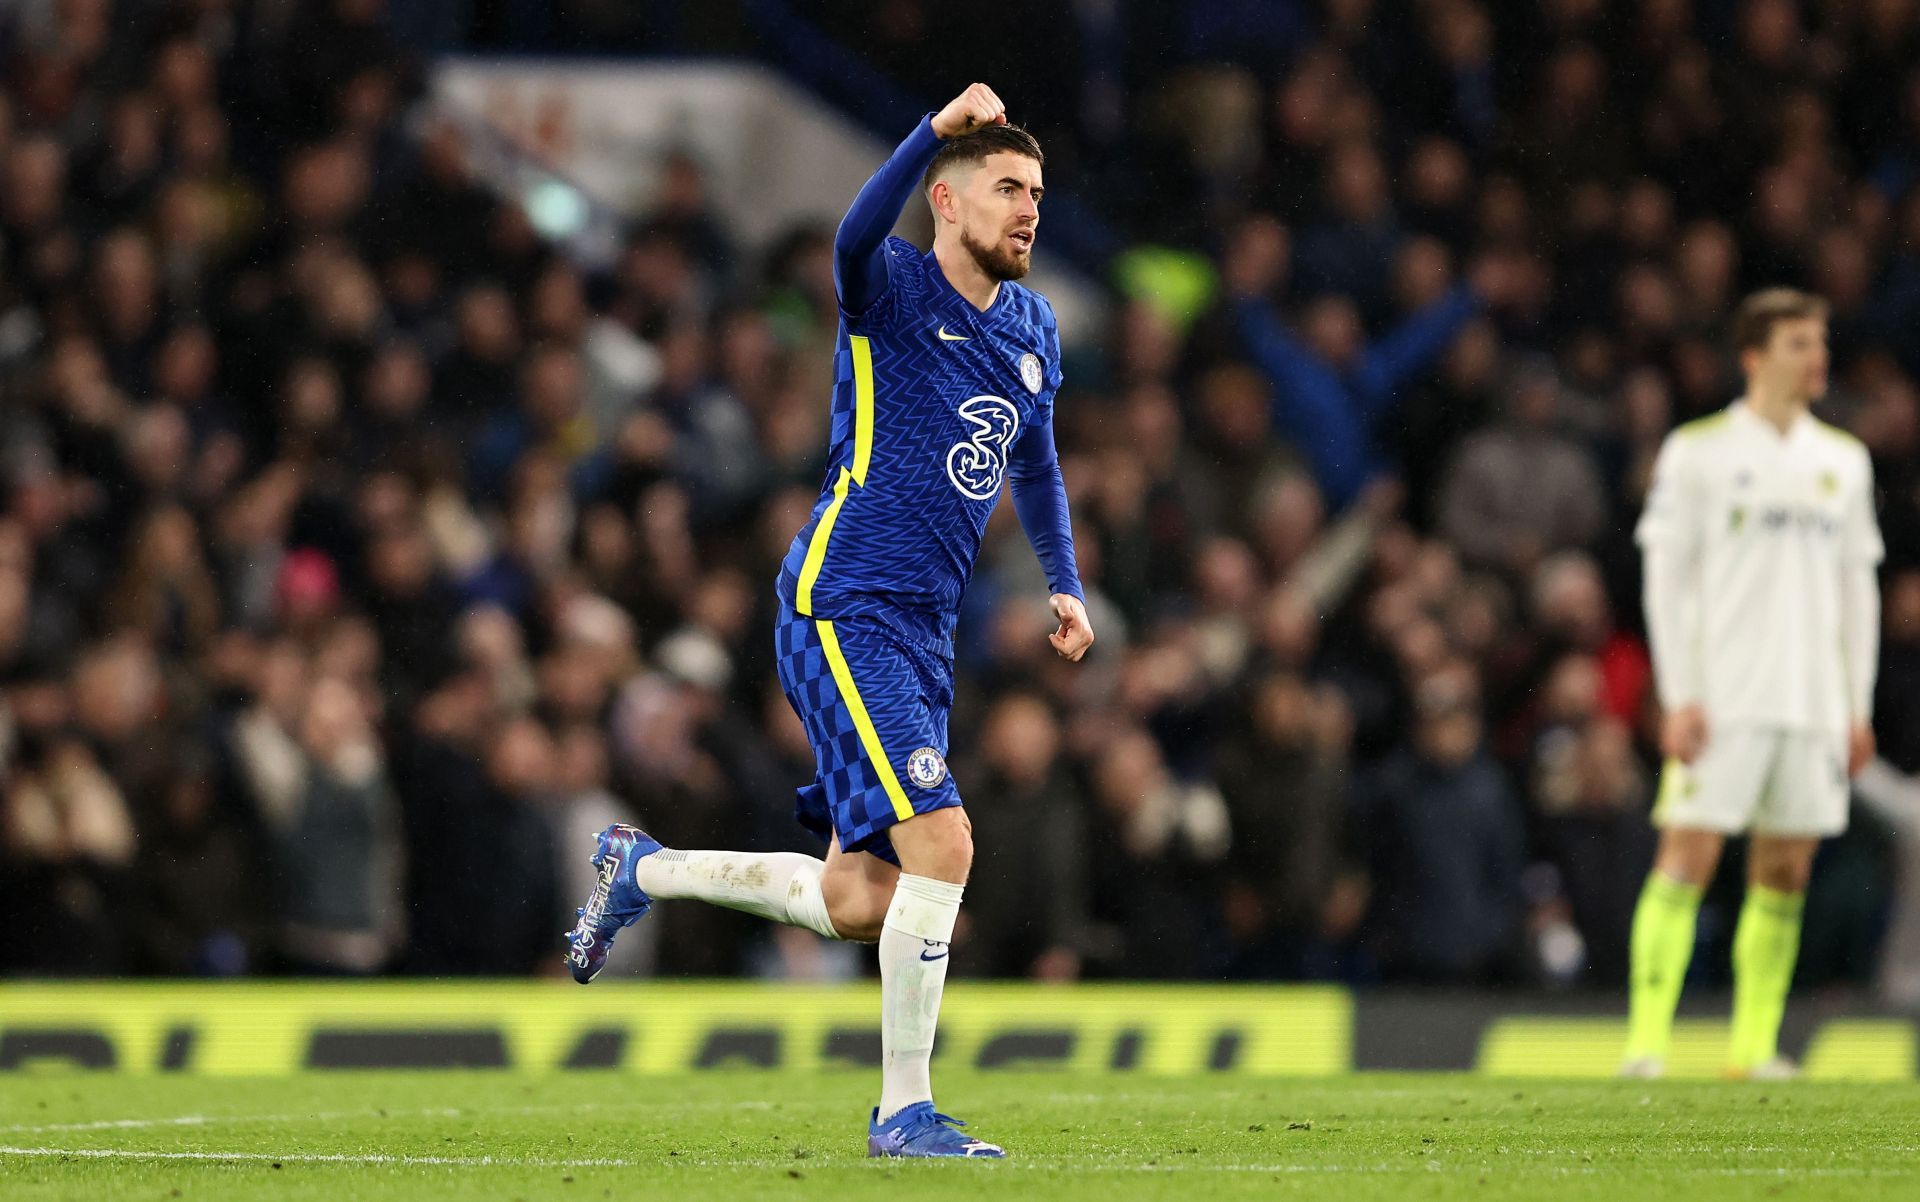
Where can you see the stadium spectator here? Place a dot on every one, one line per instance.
(203, 896)
(1152, 839)
(1591, 795)
(1028, 900)
(1293, 876)
(1520, 491)
(1447, 843)
(1331, 387)
(335, 840)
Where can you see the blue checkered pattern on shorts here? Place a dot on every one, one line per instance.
(907, 692)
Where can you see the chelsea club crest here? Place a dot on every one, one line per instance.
(926, 768)
(1030, 373)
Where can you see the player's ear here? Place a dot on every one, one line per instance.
(940, 197)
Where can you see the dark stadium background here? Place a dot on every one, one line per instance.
(349, 581)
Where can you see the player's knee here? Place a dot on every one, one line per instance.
(1783, 875)
(950, 853)
(937, 845)
(1688, 856)
(856, 908)
(857, 914)
(1783, 864)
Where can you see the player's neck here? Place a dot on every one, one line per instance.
(1780, 410)
(964, 275)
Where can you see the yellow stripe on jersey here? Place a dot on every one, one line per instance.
(862, 459)
(869, 737)
(817, 547)
(862, 406)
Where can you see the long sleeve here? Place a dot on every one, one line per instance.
(1677, 668)
(1310, 406)
(1040, 499)
(1862, 552)
(1392, 361)
(860, 269)
(1668, 535)
(1860, 635)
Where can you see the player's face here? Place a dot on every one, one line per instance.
(998, 205)
(1794, 361)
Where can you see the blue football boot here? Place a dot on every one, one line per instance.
(919, 1130)
(616, 902)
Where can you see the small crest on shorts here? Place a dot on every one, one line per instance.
(926, 768)
(1030, 372)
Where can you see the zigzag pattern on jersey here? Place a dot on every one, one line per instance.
(907, 537)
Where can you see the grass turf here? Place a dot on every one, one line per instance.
(723, 1135)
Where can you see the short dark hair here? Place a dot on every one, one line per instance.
(987, 140)
(1754, 320)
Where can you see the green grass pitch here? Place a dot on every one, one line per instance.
(724, 1135)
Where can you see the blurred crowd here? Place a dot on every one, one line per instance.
(361, 555)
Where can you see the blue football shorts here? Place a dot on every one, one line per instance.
(875, 705)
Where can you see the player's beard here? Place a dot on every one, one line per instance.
(998, 262)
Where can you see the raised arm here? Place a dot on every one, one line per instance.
(1310, 407)
(1415, 344)
(860, 266)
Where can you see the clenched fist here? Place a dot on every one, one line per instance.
(972, 109)
(1076, 633)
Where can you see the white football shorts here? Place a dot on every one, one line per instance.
(1764, 780)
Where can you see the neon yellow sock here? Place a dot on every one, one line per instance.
(1662, 945)
(1765, 946)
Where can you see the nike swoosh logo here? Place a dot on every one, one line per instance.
(946, 337)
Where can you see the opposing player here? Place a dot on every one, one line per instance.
(1760, 546)
(944, 388)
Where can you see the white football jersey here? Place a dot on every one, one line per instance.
(1771, 524)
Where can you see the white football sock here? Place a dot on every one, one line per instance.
(914, 946)
(781, 885)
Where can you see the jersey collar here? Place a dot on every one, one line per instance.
(957, 305)
(1743, 412)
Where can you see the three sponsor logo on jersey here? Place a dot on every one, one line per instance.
(977, 465)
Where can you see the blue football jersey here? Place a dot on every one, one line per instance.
(931, 399)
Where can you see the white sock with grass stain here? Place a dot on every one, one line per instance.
(781, 885)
